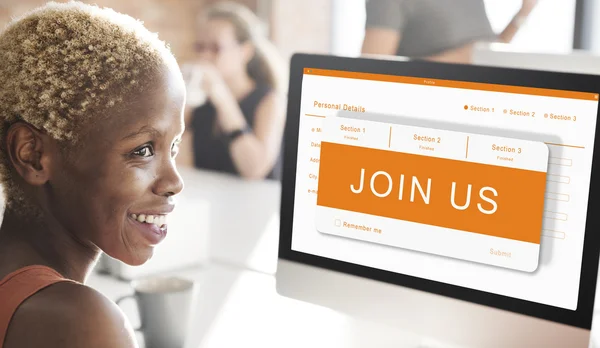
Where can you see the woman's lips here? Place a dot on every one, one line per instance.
(154, 231)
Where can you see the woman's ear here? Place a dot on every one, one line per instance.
(28, 152)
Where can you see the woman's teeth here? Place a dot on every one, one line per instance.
(158, 220)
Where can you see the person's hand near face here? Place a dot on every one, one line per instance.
(203, 75)
(214, 84)
(218, 92)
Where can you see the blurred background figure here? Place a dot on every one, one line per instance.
(236, 105)
(431, 29)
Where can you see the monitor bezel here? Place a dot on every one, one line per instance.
(581, 317)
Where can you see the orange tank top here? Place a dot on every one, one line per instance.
(18, 286)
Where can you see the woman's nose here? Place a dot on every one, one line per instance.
(170, 182)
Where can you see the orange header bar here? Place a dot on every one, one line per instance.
(502, 202)
(454, 84)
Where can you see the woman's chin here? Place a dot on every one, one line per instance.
(138, 261)
(136, 258)
(142, 257)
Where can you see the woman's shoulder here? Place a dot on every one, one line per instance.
(67, 315)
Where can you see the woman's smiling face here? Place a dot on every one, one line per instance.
(114, 192)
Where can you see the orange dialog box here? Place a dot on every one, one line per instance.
(468, 196)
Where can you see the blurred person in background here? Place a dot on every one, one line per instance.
(438, 30)
(238, 129)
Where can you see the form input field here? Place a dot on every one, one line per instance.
(563, 197)
(553, 234)
(567, 162)
(559, 178)
(555, 216)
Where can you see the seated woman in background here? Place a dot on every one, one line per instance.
(91, 113)
(240, 129)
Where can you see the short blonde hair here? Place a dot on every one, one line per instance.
(64, 65)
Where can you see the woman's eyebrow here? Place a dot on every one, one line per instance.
(142, 131)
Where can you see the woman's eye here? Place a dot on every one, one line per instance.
(145, 151)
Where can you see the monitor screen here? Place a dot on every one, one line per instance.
(473, 185)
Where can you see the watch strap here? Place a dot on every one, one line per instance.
(233, 135)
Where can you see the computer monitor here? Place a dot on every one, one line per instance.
(457, 202)
(506, 55)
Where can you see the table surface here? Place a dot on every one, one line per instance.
(240, 307)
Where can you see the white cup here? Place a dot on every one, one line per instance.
(165, 309)
(192, 75)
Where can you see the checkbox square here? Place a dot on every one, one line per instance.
(338, 222)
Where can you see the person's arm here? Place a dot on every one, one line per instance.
(381, 41)
(464, 54)
(517, 21)
(383, 27)
(185, 157)
(68, 315)
(254, 153)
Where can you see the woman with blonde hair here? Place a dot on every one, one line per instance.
(91, 114)
(239, 129)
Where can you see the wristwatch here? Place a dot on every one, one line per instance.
(231, 136)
